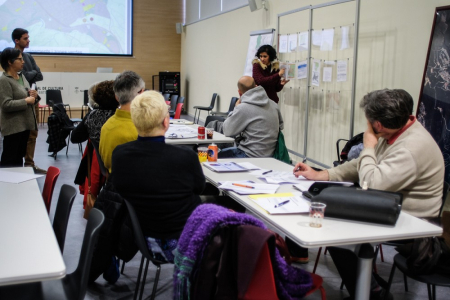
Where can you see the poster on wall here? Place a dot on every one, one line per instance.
(433, 110)
(257, 39)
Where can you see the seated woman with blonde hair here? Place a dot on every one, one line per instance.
(162, 182)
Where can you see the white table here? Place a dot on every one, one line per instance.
(334, 232)
(217, 138)
(29, 251)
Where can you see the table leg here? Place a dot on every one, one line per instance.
(365, 254)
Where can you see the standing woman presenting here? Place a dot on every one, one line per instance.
(267, 73)
(17, 108)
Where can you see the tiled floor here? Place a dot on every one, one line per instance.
(124, 288)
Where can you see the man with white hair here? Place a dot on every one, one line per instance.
(119, 129)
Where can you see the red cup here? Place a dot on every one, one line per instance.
(201, 133)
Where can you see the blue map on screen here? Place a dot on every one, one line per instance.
(86, 27)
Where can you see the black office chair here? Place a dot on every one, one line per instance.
(64, 206)
(146, 254)
(68, 126)
(166, 97)
(432, 280)
(54, 97)
(230, 108)
(85, 103)
(208, 109)
(73, 286)
(213, 118)
(173, 105)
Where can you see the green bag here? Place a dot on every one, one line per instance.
(281, 152)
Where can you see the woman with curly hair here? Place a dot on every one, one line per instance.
(105, 104)
(267, 73)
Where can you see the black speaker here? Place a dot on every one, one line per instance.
(169, 83)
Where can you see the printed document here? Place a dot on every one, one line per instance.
(290, 204)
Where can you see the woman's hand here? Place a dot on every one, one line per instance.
(281, 72)
(33, 93)
(30, 100)
(284, 81)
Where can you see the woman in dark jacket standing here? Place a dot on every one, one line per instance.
(267, 73)
(17, 109)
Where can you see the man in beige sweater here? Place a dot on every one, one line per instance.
(399, 155)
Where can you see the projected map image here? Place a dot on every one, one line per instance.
(69, 26)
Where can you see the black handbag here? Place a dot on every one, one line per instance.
(356, 204)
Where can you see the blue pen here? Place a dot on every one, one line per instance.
(282, 203)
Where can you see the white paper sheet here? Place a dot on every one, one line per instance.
(257, 188)
(291, 71)
(327, 74)
(283, 48)
(327, 40)
(302, 68)
(315, 79)
(292, 43)
(303, 41)
(341, 70)
(181, 132)
(317, 37)
(281, 177)
(344, 37)
(16, 177)
(248, 166)
(295, 205)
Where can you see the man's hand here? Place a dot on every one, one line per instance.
(309, 173)
(370, 138)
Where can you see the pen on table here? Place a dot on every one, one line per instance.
(267, 172)
(282, 203)
(243, 185)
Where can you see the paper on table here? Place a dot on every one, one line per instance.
(281, 177)
(16, 177)
(295, 205)
(181, 132)
(224, 167)
(248, 166)
(258, 188)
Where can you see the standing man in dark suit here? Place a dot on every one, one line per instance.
(33, 74)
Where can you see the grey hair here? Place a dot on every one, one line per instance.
(127, 86)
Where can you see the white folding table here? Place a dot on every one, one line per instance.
(334, 232)
(217, 138)
(29, 251)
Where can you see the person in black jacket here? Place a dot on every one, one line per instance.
(163, 182)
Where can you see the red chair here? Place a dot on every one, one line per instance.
(42, 109)
(180, 104)
(49, 186)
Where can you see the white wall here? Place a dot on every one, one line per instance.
(393, 44)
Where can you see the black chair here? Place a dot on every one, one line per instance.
(74, 285)
(54, 97)
(166, 97)
(63, 207)
(213, 118)
(85, 104)
(208, 109)
(173, 105)
(146, 254)
(68, 126)
(230, 108)
(432, 280)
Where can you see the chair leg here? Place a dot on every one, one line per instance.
(136, 291)
(391, 278)
(342, 285)
(430, 296)
(317, 260)
(326, 251)
(381, 252)
(433, 291)
(68, 142)
(323, 293)
(195, 114)
(123, 267)
(143, 279)
(405, 279)
(155, 285)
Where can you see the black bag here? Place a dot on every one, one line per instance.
(422, 255)
(355, 204)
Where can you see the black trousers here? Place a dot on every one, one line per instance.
(14, 149)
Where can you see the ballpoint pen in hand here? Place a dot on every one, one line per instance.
(282, 203)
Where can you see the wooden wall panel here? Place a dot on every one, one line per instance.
(156, 45)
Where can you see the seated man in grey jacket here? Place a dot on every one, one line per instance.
(256, 118)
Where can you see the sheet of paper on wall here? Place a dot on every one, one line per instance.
(303, 41)
(317, 37)
(249, 188)
(341, 73)
(291, 71)
(292, 40)
(292, 204)
(283, 45)
(327, 74)
(279, 177)
(327, 40)
(302, 68)
(344, 37)
(315, 78)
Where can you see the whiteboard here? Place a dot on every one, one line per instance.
(257, 39)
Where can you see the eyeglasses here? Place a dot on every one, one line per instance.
(20, 58)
